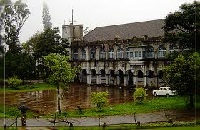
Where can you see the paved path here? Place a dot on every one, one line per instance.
(92, 121)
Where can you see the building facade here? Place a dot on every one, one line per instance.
(125, 55)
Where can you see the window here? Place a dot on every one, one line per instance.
(83, 52)
(119, 53)
(92, 53)
(131, 54)
(136, 54)
(139, 54)
(162, 51)
(102, 53)
(150, 52)
(111, 53)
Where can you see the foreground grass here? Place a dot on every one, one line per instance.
(27, 88)
(153, 105)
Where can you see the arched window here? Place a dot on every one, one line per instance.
(83, 53)
(102, 53)
(93, 53)
(119, 53)
(150, 74)
(140, 74)
(103, 73)
(111, 53)
(93, 72)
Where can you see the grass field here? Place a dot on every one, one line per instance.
(33, 87)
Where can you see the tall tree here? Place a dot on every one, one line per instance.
(44, 43)
(183, 74)
(13, 16)
(61, 72)
(46, 17)
(183, 26)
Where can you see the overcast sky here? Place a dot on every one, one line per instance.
(96, 13)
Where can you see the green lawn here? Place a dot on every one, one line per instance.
(156, 104)
(34, 87)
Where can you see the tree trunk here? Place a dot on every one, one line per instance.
(58, 97)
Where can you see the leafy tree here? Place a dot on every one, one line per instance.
(46, 17)
(13, 18)
(183, 26)
(99, 99)
(44, 43)
(21, 65)
(183, 74)
(61, 72)
(139, 95)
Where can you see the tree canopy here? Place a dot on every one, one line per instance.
(61, 72)
(183, 74)
(183, 26)
(13, 16)
(46, 42)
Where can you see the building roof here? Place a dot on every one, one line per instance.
(151, 28)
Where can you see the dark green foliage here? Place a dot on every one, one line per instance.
(99, 99)
(139, 95)
(42, 44)
(14, 82)
(183, 74)
(21, 65)
(183, 27)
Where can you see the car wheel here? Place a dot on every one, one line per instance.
(155, 94)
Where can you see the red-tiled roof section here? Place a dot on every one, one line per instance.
(125, 31)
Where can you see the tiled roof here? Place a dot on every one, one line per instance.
(126, 31)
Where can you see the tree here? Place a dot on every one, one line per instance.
(46, 17)
(43, 43)
(139, 95)
(183, 74)
(61, 72)
(13, 17)
(99, 99)
(183, 27)
(21, 65)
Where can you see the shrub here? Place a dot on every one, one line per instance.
(14, 82)
(99, 99)
(139, 95)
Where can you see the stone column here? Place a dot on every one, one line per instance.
(88, 77)
(125, 80)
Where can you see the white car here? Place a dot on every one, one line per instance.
(164, 91)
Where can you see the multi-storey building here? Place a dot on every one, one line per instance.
(128, 55)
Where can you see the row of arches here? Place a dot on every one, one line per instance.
(101, 77)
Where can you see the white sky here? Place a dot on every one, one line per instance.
(96, 13)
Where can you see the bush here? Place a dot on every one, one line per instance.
(14, 82)
(139, 95)
(99, 99)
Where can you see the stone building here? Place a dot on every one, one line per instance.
(127, 55)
